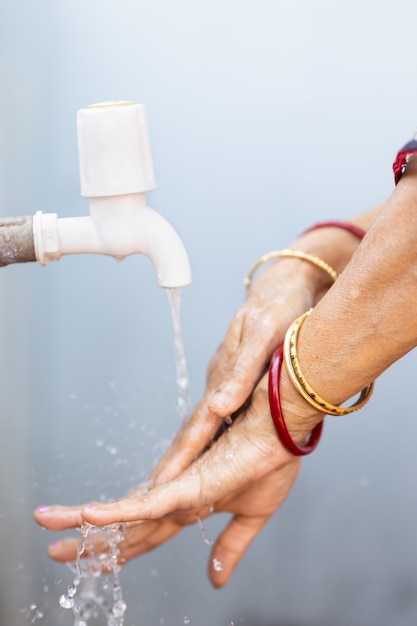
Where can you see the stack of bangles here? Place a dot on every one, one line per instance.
(287, 354)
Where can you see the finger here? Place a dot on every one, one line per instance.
(215, 475)
(157, 533)
(239, 381)
(56, 517)
(195, 435)
(247, 364)
(231, 545)
(190, 441)
(64, 550)
(137, 539)
(179, 494)
(204, 424)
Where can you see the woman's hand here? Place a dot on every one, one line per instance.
(283, 291)
(246, 472)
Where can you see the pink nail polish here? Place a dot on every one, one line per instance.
(54, 544)
(90, 507)
(43, 509)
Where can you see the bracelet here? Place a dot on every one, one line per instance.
(351, 228)
(297, 254)
(401, 160)
(277, 415)
(300, 383)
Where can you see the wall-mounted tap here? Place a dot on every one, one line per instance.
(116, 172)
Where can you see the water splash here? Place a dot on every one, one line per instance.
(91, 592)
(36, 613)
(206, 539)
(184, 402)
(217, 565)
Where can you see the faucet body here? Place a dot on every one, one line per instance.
(116, 171)
(118, 226)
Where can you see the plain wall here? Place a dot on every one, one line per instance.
(264, 116)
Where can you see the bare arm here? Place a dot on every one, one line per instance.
(368, 319)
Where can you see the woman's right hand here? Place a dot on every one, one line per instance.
(284, 290)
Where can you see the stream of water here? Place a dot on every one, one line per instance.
(91, 592)
(183, 385)
(96, 587)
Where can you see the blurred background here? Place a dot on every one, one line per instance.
(264, 117)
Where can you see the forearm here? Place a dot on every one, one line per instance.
(332, 244)
(367, 320)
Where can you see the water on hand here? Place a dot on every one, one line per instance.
(91, 592)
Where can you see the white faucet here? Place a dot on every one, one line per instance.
(116, 171)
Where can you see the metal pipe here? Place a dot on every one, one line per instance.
(16, 240)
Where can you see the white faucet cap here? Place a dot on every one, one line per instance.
(114, 150)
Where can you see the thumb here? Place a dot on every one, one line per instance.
(238, 381)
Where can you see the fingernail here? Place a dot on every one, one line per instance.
(54, 544)
(43, 509)
(90, 507)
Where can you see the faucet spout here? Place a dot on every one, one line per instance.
(118, 226)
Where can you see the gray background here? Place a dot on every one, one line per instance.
(264, 117)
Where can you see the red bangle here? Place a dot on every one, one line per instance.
(276, 411)
(400, 164)
(355, 230)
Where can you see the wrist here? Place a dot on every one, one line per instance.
(294, 439)
(334, 245)
(300, 417)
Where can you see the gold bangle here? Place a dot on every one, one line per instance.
(301, 385)
(296, 254)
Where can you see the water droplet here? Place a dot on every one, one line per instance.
(72, 590)
(96, 593)
(206, 539)
(217, 565)
(32, 607)
(186, 620)
(231, 452)
(66, 602)
(119, 608)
